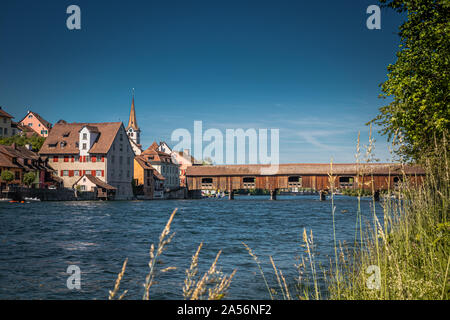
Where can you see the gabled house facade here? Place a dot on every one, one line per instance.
(164, 165)
(101, 150)
(5, 124)
(19, 161)
(34, 121)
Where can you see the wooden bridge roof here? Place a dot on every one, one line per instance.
(303, 169)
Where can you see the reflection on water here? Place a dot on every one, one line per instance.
(38, 241)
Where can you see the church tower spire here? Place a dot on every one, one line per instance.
(133, 130)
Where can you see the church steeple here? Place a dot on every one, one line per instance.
(132, 129)
(132, 123)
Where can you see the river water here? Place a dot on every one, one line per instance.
(38, 241)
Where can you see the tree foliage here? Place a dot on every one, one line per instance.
(419, 81)
(29, 178)
(35, 141)
(7, 176)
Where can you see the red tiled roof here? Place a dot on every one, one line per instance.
(44, 122)
(5, 162)
(97, 182)
(5, 114)
(143, 163)
(107, 133)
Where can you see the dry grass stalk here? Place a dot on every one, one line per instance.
(164, 239)
(191, 273)
(195, 290)
(278, 278)
(113, 293)
(253, 255)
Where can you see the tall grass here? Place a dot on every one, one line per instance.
(405, 257)
(408, 256)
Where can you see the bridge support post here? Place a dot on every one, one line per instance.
(376, 195)
(322, 195)
(273, 194)
(231, 195)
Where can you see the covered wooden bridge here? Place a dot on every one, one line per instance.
(317, 177)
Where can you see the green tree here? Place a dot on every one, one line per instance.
(29, 178)
(7, 176)
(418, 82)
(35, 141)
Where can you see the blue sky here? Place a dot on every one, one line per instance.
(311, 69)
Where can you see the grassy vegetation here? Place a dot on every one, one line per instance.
(410, 249)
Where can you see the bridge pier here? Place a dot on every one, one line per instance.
(273, 194)
(376, 195)
(322, 195)
(231, 195)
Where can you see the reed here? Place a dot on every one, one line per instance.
(408, 253)
(214, 282)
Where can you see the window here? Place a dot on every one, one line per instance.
(120, 159)
(207, 183)
(66, 158)
(98, 173)
(84, 136)
(55, 158)
(346, 181)
(65, 173)
(30, 124)
(6, 131)
(76, 173)
(30, 116)
(112, 159)
(83, 187)
(84, 146)
(4, 120)
(295, 181)
(17, 175)
(249, 182)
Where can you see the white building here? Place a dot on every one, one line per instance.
(98, 149)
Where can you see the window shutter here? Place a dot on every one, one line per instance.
(103, 173)
(70, 173)
(61, 173)
(93, 172)
(94, 159)
(55, 158)
(103, 159)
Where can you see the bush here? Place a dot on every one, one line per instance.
(7, 176)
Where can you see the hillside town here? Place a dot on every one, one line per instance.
(87, 161)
